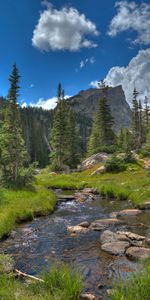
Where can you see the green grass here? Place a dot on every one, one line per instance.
(137, 287)
(22, 205)
(60, 283)
(132, 184)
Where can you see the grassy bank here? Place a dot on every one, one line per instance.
(137, 287)
(60, 283)
(133, 183)
(21, 205)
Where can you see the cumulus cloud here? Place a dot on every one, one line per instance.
(44, 103)
(64, 29)
(132, 16)
(136, 74)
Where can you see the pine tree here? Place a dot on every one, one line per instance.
(146, 113)
(125, 140)
(13, 154)
(72, 138)
(135, 119)
(58, 135)
(102, 135)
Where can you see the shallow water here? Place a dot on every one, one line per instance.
(45, 240)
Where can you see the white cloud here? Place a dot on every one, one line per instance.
(45, 104)
(136, 74)
(132, 16)
(86, 61)
(64, 29)
(24, 104)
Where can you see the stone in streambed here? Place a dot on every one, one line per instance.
(87, 297)
(130, 235)
(126, 213)
(85, 224)
(138, 253)
(115, 248)
(104, 223)
(77, 229)
(108, 237)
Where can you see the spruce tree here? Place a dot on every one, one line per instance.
(135, 120)
(102, 135)
(13, 154)
(58, 135)
(72, 139)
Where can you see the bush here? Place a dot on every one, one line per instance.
(115, 164)
(130, 159)
(145, 151)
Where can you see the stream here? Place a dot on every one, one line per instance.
(39, 244)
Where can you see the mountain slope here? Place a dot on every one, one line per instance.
(86, 102)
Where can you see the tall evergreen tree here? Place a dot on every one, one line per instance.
(146, 112)
(102, 135)
(58, 135)
(72, 139)
(135, 120)
(13, 154)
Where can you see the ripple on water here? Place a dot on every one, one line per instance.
(45, 240)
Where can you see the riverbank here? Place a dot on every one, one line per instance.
(57, 284)
(132, 184)
(17, 206)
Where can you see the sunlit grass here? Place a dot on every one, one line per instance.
(22, 205)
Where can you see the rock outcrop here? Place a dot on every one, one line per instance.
(86, 102)
(93, 160)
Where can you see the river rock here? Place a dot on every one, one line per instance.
(104, 223)
(77, 229)
(128, 212)
(85, 224)
(130, 235)
(108, 237)
(115, 248)
(87, 297)
(89, 191)
(100, 170)
(138, 253)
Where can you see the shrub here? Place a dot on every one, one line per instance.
(130, 158)
(115, 164)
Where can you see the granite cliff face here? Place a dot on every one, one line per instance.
(86, 103)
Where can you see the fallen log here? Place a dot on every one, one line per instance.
(19, 273)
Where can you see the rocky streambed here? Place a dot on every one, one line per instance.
(102, 238)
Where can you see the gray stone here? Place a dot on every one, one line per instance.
(100, 170)
(94, 160)
(77, 229)
(128, 212)
(104, 223)
(108, 237)
(85, 224)
(115, 248)
(138, 253)
(87, 297)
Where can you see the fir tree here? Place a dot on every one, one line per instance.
(102, 135)
(13, 154)
(58, 135)
(72, 138)
(135, 119)
(146, 113)
(125, 140)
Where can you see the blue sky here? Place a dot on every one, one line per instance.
(71, 44)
